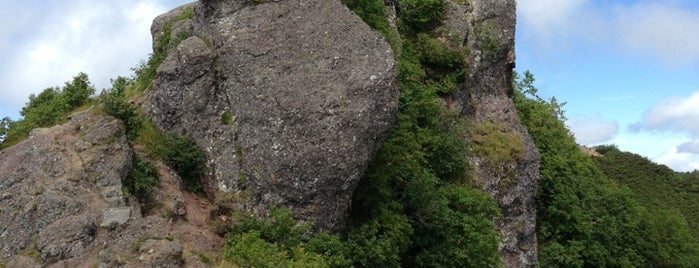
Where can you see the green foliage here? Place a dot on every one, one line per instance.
(445, 67)
(420, 15)
(669, 225)
(115, 104)
(76, 92)
(187, 158)
(488, 39)
(145, 71)
(281, 242)
(141, 181)
(496, 144)
(226, 118)
(412, 208)
(373, 12)
(584, 218)
(47, 109)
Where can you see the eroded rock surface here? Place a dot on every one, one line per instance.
(289, 99)
(62, 205)
(54, 185)
(487, 28)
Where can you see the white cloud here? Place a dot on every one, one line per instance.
(679, 161)
(101, 38)
(674, 115)
(689, 147)
(667, 31)
(657, 28)
(547, 15)
(592, 130)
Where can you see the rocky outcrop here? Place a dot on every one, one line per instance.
(487, 28)
(289, 99)
(55, 185)
(62, 205)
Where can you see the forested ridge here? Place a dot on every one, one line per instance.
(614, 210)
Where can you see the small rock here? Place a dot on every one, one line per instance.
(112, 217)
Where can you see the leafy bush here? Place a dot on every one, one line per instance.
(49, 108)
(412, 207)
(496, 144)
(420, 15)
(141, 181)
(115, 104)
(373, 12)
(585, 219)
(145, 71)
(281, 242)
(187, 158)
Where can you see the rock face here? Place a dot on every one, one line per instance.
(55, 184)
(487, 28)
(61, 203)
(289, 99)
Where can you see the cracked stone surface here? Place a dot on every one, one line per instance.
(289, 99)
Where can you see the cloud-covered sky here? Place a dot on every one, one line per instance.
(628, 69)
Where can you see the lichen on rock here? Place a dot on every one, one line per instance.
(308, 92)
(511, 175)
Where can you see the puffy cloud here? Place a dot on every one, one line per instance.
(679, 161)
(101, 38)
(545, 16)
(678, 116)
(668, 31)
(592, 130)
(674, 115)
(661, 28)
(689, 147)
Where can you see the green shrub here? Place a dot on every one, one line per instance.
(412, 208)
(141, 181)
(187, 159)
(226, 118)
(496, 144)
(115, 104)
(49, 108)
(420, 15)
(281, 242)
(77, 92)
(145, 71)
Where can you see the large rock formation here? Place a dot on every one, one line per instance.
(62, 205)
(289, 99)
(56, 185)
(487, 28)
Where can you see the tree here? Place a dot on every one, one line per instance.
(4, 126)
(583, 218)
(48, 108)
(77, 92)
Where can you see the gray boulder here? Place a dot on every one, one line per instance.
(289, 99)
(55, 184)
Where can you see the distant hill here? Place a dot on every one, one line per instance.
(655, 186)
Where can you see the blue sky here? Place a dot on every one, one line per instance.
(628, 69)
